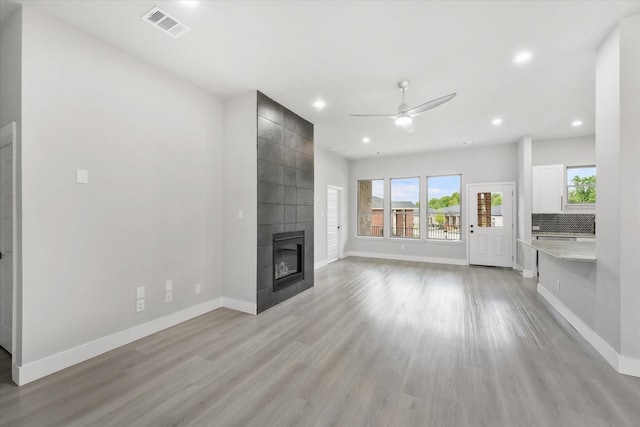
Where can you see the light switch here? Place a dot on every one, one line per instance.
(82, 176)
(240, 214)
(168, 285)
(140, 292)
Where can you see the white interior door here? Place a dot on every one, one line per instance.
(6, 237)
(491, 225)
(333, 223)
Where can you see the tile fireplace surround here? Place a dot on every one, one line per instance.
(285, 193)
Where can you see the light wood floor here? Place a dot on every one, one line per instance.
(381, 343)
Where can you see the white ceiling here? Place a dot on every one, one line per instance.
(351, 54)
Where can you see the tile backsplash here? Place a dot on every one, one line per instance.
(564, 223)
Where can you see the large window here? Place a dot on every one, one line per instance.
(444, 213)
(405, 204)
(581, 185)
(371, 208)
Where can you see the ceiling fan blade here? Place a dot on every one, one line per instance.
(409, 127)
(429, 105)
(382, 116)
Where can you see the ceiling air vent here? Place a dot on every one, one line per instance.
(168, 24)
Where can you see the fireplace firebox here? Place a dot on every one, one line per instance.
(288, 259)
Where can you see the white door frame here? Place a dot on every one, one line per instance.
(340, 233)
(514, 203)
(9, 132)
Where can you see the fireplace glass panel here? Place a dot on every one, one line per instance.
(288, 259)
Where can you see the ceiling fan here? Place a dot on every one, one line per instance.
(405, 114)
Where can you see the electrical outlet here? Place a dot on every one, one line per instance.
(198, 288)
(139, 305)
(140, 292)
(168, 286)
(168, 297)
(558, 284)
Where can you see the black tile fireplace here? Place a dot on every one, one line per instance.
(288, 259)
(285, 204)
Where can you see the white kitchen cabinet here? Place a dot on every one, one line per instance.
(548, 189)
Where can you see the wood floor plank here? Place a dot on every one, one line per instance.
(374, 343)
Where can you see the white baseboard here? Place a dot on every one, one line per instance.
(41, 368)
(239, 305)
(320, 264)
(622, 364)
(415, 258)
(527, 274)
(629, 366)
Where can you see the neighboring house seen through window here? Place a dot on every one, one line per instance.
(405, 205)
(371, 208)
(444, 210)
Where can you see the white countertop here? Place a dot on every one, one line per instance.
(570, 250)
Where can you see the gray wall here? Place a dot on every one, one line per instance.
(630, 200)
(10, 68)
(152, 209)
(476, 164)
(573, 283)
(285, 193)
(579, 151)
(330, 169)
(607, 304)
(525, 256)
(240, 197)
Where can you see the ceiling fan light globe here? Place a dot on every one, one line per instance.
(403, 120)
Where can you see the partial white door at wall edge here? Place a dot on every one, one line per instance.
(333, 223)
(491, 224)
(6, 236)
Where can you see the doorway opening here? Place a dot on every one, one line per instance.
(7, 260)
(334, 203)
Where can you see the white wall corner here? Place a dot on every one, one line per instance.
(629, 366)
(37, 369)
(527, 274)
(320, 264)
(239, 305)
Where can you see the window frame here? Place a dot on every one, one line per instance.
(567, 187)
(461, 216)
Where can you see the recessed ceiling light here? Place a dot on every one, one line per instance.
(468, 142)
(497, 121)
(189, 3)
(576, 123)
(366, 140)
(522, 57)
(319, 104)
(333, 148)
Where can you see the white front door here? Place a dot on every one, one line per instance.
(491, 225)
(6, 237)
(333, 223)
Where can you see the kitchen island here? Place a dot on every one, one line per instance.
(567, 272)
